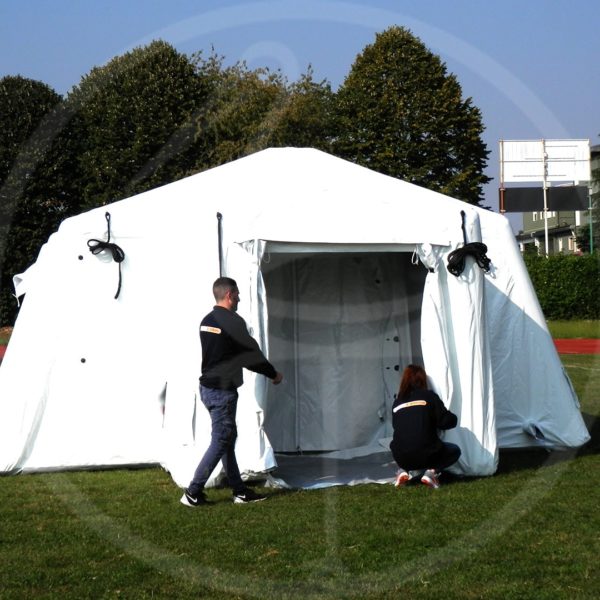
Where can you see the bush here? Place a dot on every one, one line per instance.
(567, 286)
(8, 308)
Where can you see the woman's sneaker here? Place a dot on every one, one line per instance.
(247, 495)
(402, 478)
(430, 479)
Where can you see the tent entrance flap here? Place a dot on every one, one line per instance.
(342, 324)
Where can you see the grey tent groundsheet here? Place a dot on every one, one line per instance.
(315, 471)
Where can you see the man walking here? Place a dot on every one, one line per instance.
(227, 347)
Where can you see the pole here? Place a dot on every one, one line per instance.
(220, 242)
(545, 156)
(591, 219)
(502, 211)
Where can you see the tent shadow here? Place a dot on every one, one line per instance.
(592, 422)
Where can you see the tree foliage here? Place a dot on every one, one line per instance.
(402, 114)
(238, 120)
(33, 182)
(250, 110)
(154, 115)
(307, 117)
(135, 115)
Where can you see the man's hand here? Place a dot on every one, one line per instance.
(278, 378)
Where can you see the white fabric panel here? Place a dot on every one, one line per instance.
(455, 331)
(85, 400)
(29, 357)
(532, 390)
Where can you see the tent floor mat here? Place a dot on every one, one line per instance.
(311, 471)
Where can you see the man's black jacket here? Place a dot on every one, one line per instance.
(227, 347)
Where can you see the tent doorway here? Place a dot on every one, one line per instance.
(341, 324)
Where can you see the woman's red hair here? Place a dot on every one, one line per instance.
(413, 378)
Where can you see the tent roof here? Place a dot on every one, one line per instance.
(300, 195)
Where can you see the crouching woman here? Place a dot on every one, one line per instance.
(417, 415)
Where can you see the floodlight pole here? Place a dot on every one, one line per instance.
(545, 155)
(590, 219)
(502, 210)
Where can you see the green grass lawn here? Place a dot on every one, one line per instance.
(574, 329)
(530, 531)
(5, 334)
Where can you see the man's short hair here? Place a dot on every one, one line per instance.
(223, 285)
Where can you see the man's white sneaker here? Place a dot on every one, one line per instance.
(246, 496)
(188, 500)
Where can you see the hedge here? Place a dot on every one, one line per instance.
(567, 286)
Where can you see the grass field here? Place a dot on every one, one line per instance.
(530, 531)
(5, 334)
(574, 329)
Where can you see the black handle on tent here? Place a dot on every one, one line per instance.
(457, 258)
(220, 242)
(97, 246)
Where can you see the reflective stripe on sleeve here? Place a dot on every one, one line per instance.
(409, 404)
(210, 329)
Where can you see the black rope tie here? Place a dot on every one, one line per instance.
(97, 246)
(457, 258)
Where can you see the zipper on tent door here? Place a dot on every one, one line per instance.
(296, 314)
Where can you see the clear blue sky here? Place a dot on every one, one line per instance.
(531, 66)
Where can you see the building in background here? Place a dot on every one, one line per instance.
(563, 227)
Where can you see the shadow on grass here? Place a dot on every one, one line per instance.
(592, 422)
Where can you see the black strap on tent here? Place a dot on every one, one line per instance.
(457, 258)
(97, 246)
(220, 242)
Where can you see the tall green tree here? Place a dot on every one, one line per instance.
(238, 117)
(24, 103)
(136, 119)
(401, 113)
(33, 177)
(307, 117)
(250, 110)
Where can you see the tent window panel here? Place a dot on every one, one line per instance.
(339, 326)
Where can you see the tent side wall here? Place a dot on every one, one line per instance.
(456, 351)
(536, 403)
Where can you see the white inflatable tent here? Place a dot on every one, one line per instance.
(343, 279)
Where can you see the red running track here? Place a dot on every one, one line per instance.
(575, 346)
(578, 346)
